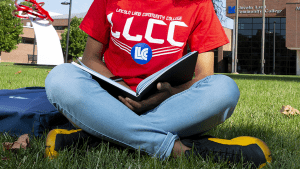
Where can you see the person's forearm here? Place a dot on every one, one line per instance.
(92, 58)
(204, 67)
(98, 66)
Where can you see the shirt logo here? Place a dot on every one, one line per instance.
(141, 53)
(149, 29)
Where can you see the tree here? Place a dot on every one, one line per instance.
(10, 27)
(26, 3)
(77, 38)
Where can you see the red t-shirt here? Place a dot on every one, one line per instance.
(165, 26)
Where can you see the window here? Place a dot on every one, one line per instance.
(60, 27)
(245, 20)
(27, 40)
(257, 20)
(249, 46)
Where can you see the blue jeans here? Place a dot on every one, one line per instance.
(207, 103)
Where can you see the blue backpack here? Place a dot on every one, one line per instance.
(27, 110)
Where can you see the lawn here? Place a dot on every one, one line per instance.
(257, 114)
(15, 76)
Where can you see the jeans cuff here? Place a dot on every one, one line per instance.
(166, 147)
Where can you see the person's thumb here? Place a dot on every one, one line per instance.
(163, 86)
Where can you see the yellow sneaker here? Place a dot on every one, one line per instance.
(250, 149)
(59, 139)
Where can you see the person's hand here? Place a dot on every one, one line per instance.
(165, 91)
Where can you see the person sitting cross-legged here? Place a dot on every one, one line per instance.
(171, 122)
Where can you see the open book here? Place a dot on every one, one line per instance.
(177, 73)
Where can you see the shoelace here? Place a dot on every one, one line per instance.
(35, 10)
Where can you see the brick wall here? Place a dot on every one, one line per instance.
(20, 55)
(292, 25)
(228, 32)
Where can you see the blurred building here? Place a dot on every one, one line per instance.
(287, 49)
(26, 47)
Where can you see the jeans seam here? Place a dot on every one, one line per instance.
(204, 80)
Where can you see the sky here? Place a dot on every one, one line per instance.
(78, 6)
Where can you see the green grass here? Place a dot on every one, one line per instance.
(257, 114)
(29, 76)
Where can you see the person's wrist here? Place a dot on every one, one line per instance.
(176, 90)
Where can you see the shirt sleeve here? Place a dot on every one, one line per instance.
(207, 32)
(95, 22)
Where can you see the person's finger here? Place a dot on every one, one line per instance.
(155, 100)
(134, 103)
(159, 86)
(126, 103)
(164, 86)
(122, 99)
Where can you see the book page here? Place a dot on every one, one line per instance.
(105, 79)
(146, 82)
